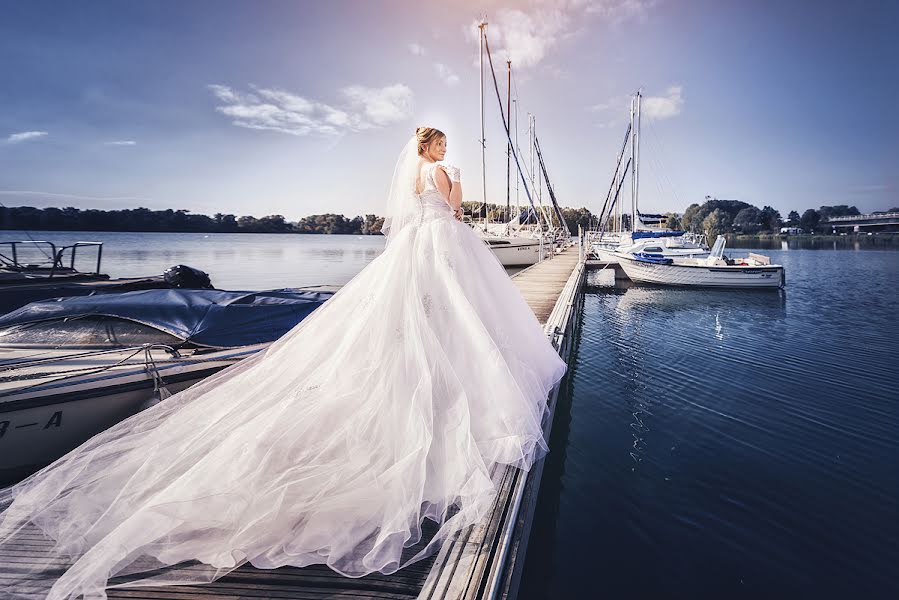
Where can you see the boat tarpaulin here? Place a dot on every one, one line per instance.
(636, 235)
(216, 318)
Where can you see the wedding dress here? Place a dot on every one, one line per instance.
(388, 405)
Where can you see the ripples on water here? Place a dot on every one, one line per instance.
(720, 444)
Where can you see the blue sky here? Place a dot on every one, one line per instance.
(296, 108)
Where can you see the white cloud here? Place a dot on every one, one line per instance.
(619, 11)
(664, 107)
(448, 76)
(377, 107)
(24, 136)
(278, 110)
(121, 143)
(417, 49)
(527, 37)
(523, 37)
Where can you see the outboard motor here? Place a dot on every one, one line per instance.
(184, 277)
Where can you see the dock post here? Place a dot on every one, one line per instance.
(580, 243)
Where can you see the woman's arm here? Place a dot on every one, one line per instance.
(451, 190)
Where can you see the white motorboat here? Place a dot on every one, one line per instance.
(715, 271)
(72, 367)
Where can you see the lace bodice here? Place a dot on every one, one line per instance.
(430, 196)
(429, 183)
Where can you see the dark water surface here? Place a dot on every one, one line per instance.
(724, 444)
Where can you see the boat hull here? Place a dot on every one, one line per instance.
(732, 277)
(518, 253)
(38, 424)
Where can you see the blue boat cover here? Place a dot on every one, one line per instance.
(656, 259)
(216, 318)
(636, 235)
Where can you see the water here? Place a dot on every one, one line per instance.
(709, 444)
(235, 261)
(724, 444)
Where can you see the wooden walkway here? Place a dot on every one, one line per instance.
(484, 561)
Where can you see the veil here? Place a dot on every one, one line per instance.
(403, 205)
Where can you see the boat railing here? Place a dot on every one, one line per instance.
(55, 256)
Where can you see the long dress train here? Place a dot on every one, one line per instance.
(387, 405)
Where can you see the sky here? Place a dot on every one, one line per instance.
(298, 108)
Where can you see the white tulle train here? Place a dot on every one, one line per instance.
(388, 405)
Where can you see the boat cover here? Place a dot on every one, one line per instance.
(656, 259)
(636, 235)
(216, 318)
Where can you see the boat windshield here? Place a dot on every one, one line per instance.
(86, 332)
(718, 248)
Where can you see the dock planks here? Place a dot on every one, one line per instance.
(482, 561)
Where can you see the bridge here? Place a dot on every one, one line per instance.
(873, 222)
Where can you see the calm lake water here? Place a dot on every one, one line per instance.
(708, 444)
(234, 261)
(716, 444)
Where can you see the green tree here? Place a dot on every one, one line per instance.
(841, 210)
(691, 221)
(673, 221)
(793, 219)
(748, 220)
(809, 220)
(717, 223)
(770, 219)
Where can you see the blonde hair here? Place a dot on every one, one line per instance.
(425, 136)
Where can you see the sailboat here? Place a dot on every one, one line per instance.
(643, 230)
(519, 245)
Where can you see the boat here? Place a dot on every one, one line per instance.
(683, 246)
(54, 274)
(72, 367)
(517, 246)
(514, 251)
(713, 271)
(614, 236)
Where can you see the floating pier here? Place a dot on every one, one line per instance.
(484, 561)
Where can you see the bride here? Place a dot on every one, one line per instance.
(387, 406)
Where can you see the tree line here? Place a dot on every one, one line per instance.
(713, 217)
(182, 220)
(716, 217)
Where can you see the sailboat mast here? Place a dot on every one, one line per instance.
(635, 154)
(481, 28)
(517, 149)
(509, 150)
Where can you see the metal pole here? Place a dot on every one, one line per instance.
(508, 151)
(481, 28)
(517, 184)
(633, 158)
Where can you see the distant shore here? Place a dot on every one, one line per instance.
(873, 240)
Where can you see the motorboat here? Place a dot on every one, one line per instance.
(72, 367)
(715, 270)
(32, 270)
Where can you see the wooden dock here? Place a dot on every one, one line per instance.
(482, 562)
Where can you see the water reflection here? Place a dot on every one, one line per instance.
(728, 444)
